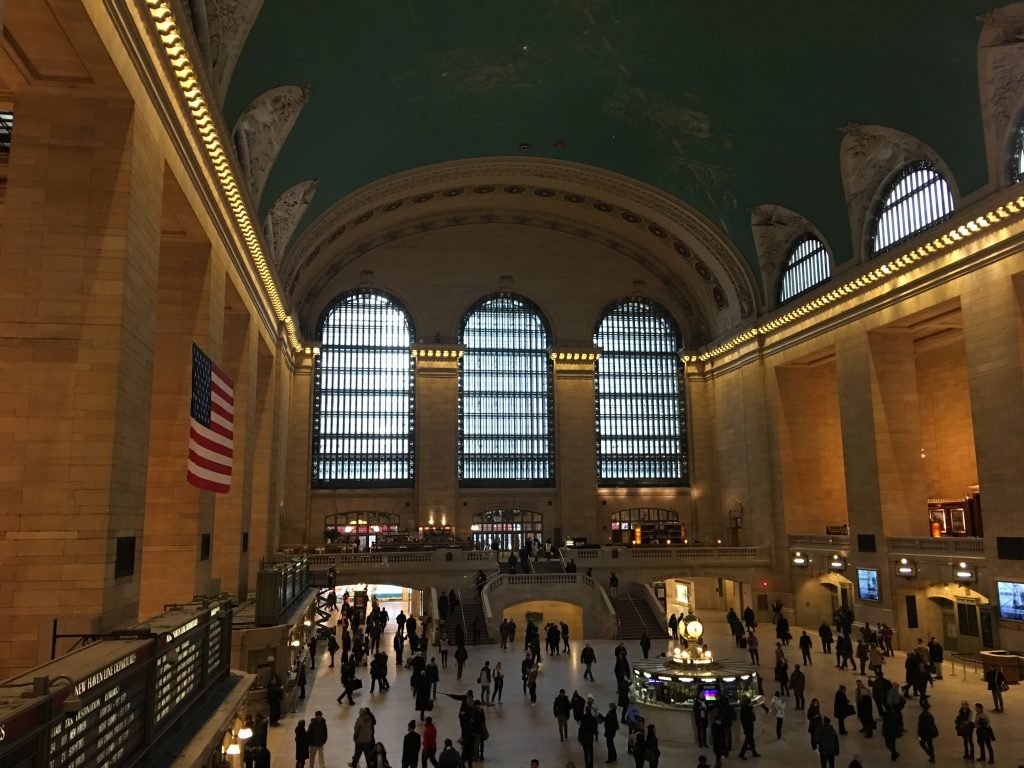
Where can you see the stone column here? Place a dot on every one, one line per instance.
(295, 525)
(263, 513)
(234, 509)
(576, 450)
(705, 500)
(80, 250)
(994, 345)
(190, 309)
(437, 436)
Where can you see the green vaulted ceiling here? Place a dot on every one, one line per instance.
(726, 104)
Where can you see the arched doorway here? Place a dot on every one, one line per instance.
(360, 530)
(647, 525)
(506, 529)
(840, 594)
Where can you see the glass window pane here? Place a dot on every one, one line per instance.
(917, 198)
(363, 394)
(807, 267)
(505, 394)
(641, 435)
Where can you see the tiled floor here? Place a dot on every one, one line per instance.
(519, 732)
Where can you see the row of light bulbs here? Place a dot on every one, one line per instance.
(962, 572)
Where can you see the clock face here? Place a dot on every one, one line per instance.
(694, 629)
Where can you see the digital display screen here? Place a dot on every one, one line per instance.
(710, 694)
(1011, 600)
(867, 584)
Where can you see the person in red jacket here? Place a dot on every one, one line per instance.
(429, 748)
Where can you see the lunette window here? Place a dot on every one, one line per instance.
(505, 419)
(918, 197)
(363, 395)
(807, 267)
(641, 419)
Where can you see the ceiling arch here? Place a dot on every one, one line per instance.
(672, 241)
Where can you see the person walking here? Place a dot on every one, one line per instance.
(449, 757)
(300, 681)
(747, 722)
(411, 746)
(805, 644)
(652, 750)
(841, 709)
(814, 722)
(782, 676)
(927, 731)
(461, 654)
(531, 683)
(892, 729)
(484, 680)
(611, 727)
(499, 683)
(312, 651)
(865, 710)
(434, 676)
(983, 733)
(316, 737)
(442, 647)
(588, 657)
(964, 725)
(363, 737)
(561, 709)
(332, 648)
(421, 690)
(778, 708)
(428, 753)
(275, 693)
(645, 644)
(797, 684)
(752, 648)
(700, 720)
(613, 585)
(875, 658)
(825, 633)
(587, 732)
(301, 745)
(828, 744)
(996, 680)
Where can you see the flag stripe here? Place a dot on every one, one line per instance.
(211, 426)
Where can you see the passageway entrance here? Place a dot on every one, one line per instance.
(506, 529)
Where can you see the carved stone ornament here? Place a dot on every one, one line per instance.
(868, 156)
(229, 23)
(267, 121)
(775, 230)
(1001, 83)
(285, 213)
(684, 251)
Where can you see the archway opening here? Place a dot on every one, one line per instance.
(506, 529)
(360, 531)
(647, 525)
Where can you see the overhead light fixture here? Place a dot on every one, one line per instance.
(837, 563)
(245, 732)
(800, 560)
(964, 573)
(906, 569)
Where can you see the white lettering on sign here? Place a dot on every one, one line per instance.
(184, 628)
(104, 674)
(3, 733)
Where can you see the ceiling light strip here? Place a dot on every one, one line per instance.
(167, 30)
(958, 237)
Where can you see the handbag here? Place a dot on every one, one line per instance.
(356, 684)
(1004, 686)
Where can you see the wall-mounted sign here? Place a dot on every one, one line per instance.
(837, 530)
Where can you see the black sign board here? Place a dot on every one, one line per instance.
(988, 639)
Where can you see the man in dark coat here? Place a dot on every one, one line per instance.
(588, 732)
(797, 684)
(411, 747)
(842, 709)
(747, 720)
(611, 727)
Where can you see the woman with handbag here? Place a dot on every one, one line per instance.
(965, 729)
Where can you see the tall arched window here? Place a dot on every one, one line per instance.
(641, 418)
(363, 394)
(807, 267)
(918, 197)
(505, 423)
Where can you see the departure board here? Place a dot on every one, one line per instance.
(110, 726)
(177, 681)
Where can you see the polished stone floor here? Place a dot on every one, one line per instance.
(519, 732)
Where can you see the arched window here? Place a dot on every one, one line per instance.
(1017, 158)
(806, 267)
(363, 394)
(505, 423)
(641, 422)
(918, 197)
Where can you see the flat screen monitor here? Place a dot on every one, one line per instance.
(710, 694)
(867, 584)
(1011, 600)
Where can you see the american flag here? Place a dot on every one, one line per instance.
(212, 426)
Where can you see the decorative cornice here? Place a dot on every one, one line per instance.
(204, 122)
(953, 235)
(674, 230)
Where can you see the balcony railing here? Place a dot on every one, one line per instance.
(929, 545)
(591, 557)
(831, 543)
(425, 559)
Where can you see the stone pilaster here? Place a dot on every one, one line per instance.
(80, 251)
(576, 513)
(295, 525)
(437, 435)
